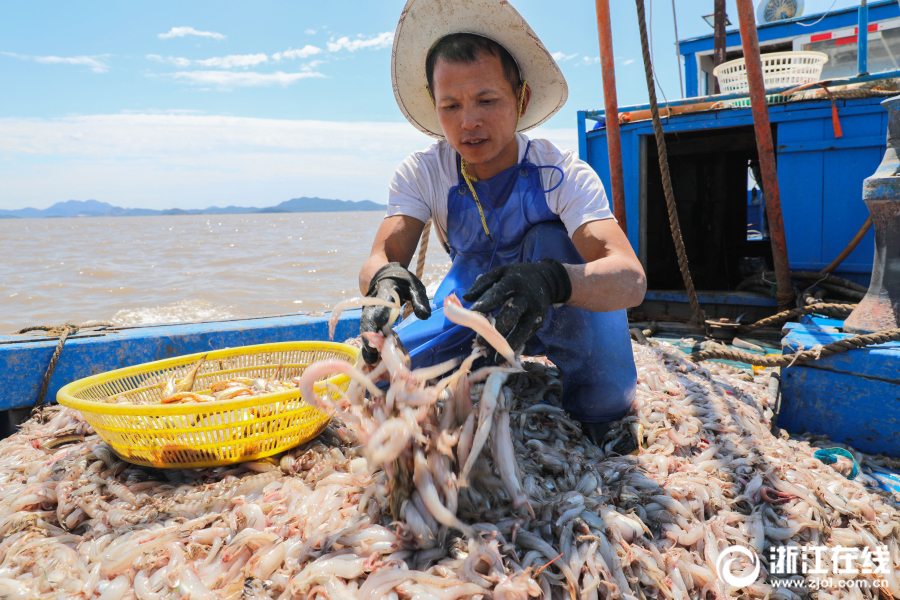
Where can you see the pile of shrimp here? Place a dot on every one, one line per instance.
(451, 483)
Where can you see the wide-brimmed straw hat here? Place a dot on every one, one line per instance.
(424, 22)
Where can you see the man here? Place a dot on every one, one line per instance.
(527, 226)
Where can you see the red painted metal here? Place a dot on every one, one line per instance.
(613, 137)
(766, 149)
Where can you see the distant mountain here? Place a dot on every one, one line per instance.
(79, 208)
(299, 205)
(93, 208)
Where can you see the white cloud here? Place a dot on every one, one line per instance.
(230, 79)
(222, 62)
(96, 63)
(238, 60)
(382, 40)
(194, 161)
(304, 52)
(184, 31)
(628, 62)
(180, 62)
(309, 31)
(589, 61)
(560, 57)
(233, 60)
(311, 65)
(168, 111)
(227, 79)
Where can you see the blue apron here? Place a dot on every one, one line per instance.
(592, 350)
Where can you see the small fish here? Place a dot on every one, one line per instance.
(356, 303)
(187, 397)
(455, 313)
(185, 384)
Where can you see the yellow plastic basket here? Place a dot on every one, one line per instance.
(211, 433)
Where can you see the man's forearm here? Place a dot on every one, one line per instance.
(607, 284)
(395, 241)
(369, 268)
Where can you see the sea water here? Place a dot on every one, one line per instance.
(142, 270)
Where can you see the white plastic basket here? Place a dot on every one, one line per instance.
(780, 69)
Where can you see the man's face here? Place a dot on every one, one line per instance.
(476, 107)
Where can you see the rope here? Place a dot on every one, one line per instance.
(62, 332)
(423, 250)
(462, 164)
(818, 277)
(420, 265)
(854, 94)
(699, 315)
(851, 246)
(56, 330)
(859, 341)
(784, 317)
(811, 279)
(827, 456)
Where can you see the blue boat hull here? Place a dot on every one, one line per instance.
(853, 397)
(24, 359)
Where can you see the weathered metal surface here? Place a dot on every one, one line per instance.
(853, 398)
(880, 309)
(862, 43)
(766, 150)
(734, 298)
(718, 305)
(24, 359)
(608, 66)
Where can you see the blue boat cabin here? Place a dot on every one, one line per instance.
(720, 204)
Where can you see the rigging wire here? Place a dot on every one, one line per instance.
(677, 51)
(820, 18)
(653, 62)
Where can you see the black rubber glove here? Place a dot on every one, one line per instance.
(531, 287)
(397, 278)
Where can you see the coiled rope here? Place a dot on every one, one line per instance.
(852, 343)
(699, 315)
(62, 332)
(784, 317)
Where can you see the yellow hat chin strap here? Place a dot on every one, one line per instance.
(462, 161)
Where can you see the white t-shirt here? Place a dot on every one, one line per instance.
(421, 184)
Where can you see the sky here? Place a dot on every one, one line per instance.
(193, 104)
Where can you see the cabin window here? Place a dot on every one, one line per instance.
(884, 53)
